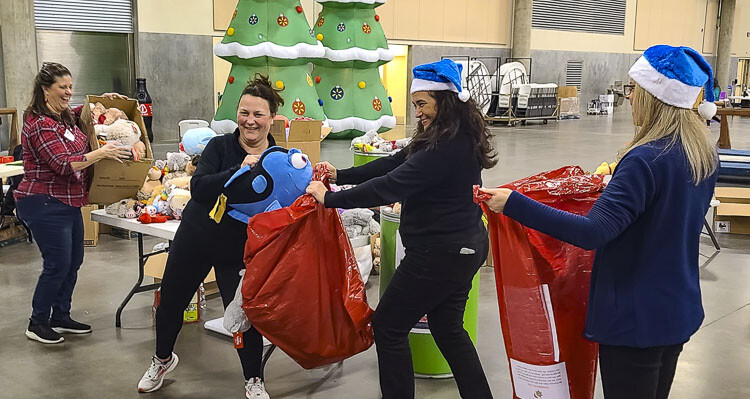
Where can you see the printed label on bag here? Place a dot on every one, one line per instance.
(540, 382)
(238, 340)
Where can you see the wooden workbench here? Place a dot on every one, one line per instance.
(724, 140)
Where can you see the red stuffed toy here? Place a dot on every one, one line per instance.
(145, 218)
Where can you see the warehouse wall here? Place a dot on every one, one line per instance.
(175, 47)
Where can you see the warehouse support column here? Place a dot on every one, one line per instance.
(724, 53)
(19, 51)
(521, 42)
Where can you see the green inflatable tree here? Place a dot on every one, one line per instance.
(271, 37)
(347, 78)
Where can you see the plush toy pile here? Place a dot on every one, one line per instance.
(371, 142)
(166, 191)
(111, 125)
(359, 222)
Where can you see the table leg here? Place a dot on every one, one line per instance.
(266, 355)
(724, 141)
(137, 287)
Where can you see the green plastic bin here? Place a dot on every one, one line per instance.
(361, 158)
(426, 357)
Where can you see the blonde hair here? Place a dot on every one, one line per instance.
(655, 120)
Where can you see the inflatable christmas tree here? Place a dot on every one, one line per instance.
(271, 37)
(347, 78)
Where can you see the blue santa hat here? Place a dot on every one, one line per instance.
(438, 76)
(675, 75)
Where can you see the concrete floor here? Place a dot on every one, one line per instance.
(109, 362)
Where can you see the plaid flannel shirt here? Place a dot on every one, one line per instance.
(49, 147)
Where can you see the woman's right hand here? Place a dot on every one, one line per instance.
(331, 169)
(114, 151)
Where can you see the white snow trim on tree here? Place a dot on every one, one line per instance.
(352, 1)
(364, 125)
(359, 54)
(268, 49)
(229, 126)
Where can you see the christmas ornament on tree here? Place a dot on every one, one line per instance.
(347, 78)
(270, 37)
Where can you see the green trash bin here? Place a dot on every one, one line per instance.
(361, 158)
(426, 357)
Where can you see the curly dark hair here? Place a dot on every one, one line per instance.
(260, 86)
(45, 78)
(456, 117)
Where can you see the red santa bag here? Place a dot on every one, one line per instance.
(542, 289)
(302, 289)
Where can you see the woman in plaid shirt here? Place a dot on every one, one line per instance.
(55, 185)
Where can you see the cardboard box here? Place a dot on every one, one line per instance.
(12, 232)
(113, 180)
(90, 228)
(567, 92)
(155, 265)
(303, 135)
(733, 214)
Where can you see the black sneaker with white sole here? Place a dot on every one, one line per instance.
(43, 334)
(69, 326)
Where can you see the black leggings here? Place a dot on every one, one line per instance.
(638, 373)
(190, 259)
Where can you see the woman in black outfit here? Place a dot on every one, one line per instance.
(201, 243)
(441, 229)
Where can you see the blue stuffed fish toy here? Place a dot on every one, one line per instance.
(276, 181)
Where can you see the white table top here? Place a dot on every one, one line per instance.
(10, 170)
(161, 230)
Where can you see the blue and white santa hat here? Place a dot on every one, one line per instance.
(675, 75)
(438, 76)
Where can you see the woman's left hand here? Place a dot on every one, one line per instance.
(317, 190)
(112, 96)
(498, 200)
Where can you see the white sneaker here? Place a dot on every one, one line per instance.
(154, 376)
(255, 389)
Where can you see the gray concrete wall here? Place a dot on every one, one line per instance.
(424, 54)
(599, 69)
(179, 75)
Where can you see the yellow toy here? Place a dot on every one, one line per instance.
(605, 168)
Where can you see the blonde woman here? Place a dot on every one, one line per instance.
(645, 300)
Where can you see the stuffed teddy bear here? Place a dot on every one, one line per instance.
(97, 110)
(192, 165)
(111, 116)
(176, 161)
(155, 194)
(605, 168)
(177, 182)
(153, 179)
(121, 207)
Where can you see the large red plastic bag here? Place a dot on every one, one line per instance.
(303, 290)
(542, 288)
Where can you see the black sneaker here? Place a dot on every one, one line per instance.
(69, 326)
(43, 334)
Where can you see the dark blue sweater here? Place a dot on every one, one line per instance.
(645, 228)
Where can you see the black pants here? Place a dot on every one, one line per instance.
(435, 283)
(638, 373)
(188, 264)
(58, 230)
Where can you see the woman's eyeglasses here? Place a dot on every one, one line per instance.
(628, 90)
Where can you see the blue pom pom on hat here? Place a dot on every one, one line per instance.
(676, 75)
(439, 76)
